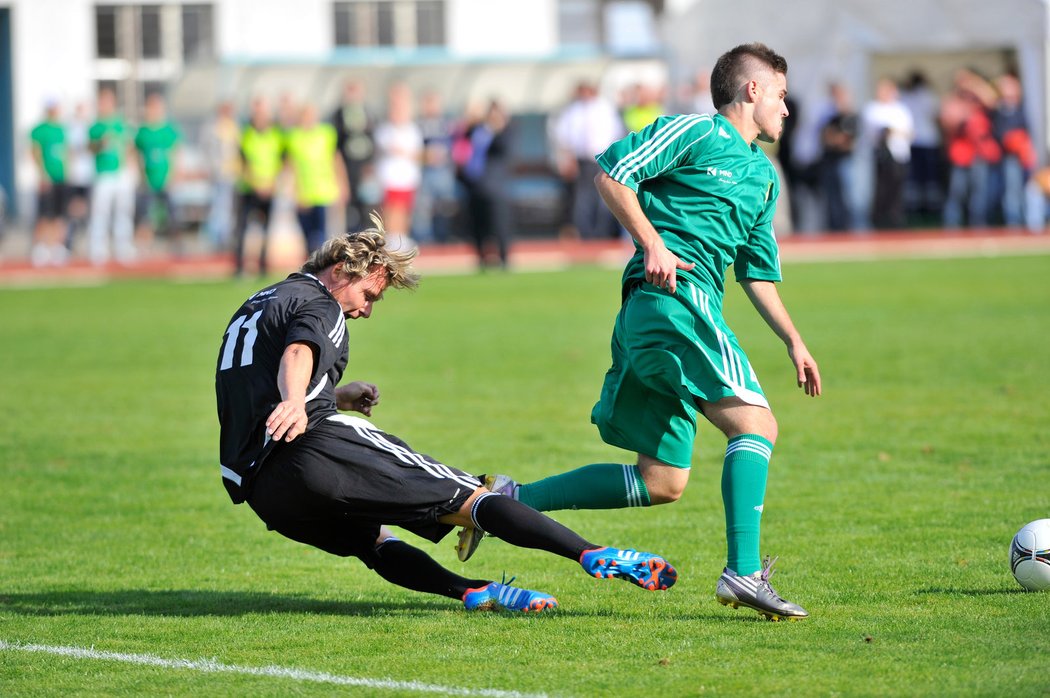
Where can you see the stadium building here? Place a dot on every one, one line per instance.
(529, 55)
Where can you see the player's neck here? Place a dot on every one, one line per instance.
(326, 278)
(740, 118)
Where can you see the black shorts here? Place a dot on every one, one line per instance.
(335, 485)
(51, 202)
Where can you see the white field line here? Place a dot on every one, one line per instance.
(210, 666)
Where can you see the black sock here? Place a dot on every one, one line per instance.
(399, 563)
(521, 525)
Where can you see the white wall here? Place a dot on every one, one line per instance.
(503, 27)
(52, 44)
(274, 29)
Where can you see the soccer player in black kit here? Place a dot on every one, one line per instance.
(335, 481)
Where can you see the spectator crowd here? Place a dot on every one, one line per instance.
(964, 158)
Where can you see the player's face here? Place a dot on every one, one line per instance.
(770, 109)
(358, 296)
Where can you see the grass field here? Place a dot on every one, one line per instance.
(892, 498)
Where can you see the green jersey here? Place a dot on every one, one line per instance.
(156, 143)
(50, 138)
(109, 137)
(710, 195)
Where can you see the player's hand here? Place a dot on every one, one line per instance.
(806, 366)
(357, 396)
(662, 265)
(287, 421)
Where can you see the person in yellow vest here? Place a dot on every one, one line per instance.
(262, 153)
(645, 107)
(320, 177)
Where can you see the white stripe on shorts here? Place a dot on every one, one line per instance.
(732, 370)
(369, 431)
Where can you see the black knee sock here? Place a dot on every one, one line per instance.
(399, 563)
(521, 525)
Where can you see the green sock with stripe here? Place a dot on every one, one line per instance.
(595, 486)
(744, 474)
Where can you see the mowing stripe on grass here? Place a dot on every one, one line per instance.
(210, 666)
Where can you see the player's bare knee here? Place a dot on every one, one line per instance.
(770, 428)
(385, 534)
(757, 420)
(665, 493)
(462, 516)
(665, 483)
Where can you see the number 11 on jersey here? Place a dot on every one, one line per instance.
(249, 325)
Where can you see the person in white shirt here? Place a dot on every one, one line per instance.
(925, 173)
(888, 129)
(585, 128)
(399, 165)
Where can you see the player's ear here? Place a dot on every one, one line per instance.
(751, 88)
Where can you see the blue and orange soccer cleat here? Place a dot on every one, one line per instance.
(646, 570)
(495, 596)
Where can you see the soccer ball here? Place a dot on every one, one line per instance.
(1030, 556)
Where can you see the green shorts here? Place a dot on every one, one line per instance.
(668, 351)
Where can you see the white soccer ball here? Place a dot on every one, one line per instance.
(1030, 556)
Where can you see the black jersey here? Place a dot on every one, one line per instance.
(298, 309)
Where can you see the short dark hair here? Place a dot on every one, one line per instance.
(736, 66)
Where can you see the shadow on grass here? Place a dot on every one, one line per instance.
(186, 602)
(955, 591)
(196, 602)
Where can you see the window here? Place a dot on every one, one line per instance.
(385, 24)
(345, 24)
(106, 31)
(430, 23)
(143, 48)
(149, 31)
(197, 34)
(400, 23)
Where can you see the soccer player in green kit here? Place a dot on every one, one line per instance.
(157, 142)
(697, 195)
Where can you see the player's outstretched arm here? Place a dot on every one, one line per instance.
(357, 396)
(766, 299)
(661, 265)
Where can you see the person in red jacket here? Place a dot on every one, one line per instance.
(972, 150)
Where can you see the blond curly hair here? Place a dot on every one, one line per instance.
(359, 254)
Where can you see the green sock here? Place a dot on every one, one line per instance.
(744, 474)
(596, 486)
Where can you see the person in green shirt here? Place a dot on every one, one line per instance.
(697, 195)
(156, 143)
(48, 139)
(320, 177)
(113, 192)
